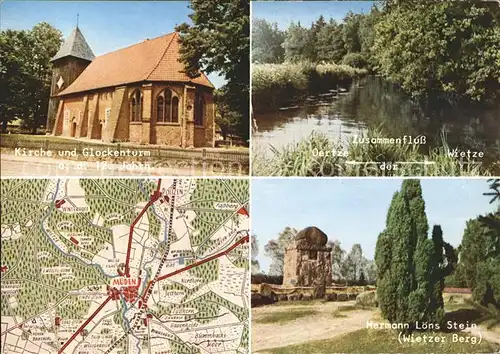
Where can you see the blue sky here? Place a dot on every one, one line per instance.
(107, 25)
(284, 12)
(354, 210)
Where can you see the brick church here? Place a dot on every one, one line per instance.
(138, 94)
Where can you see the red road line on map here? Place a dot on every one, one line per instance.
(84, 324)
(220, 254)
(154, 198)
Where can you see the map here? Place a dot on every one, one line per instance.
(151, 266)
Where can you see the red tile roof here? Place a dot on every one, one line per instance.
(151, 60)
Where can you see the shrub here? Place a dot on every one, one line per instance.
(342, 297)
(297, 159)
(479, 264)
(355, 60)
(367, 299)
(275, 84)
(272, 84)
(260, 300)
(267, 279)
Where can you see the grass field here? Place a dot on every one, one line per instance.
(35, 138)
(303, 159)
(300, 303)
(286, 316)
(385, 341)
(341, 328)
(298, 312)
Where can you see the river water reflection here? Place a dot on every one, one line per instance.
(371, 103)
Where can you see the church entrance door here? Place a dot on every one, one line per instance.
(73, 129)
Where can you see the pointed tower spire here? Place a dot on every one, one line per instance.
(71, 60)
(75, 46)
(77, 18)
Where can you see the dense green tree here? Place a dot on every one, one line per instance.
(322, 42)
(431, 48)
(421, 249)
(440, 47)
(354, 263)
(410, 266)
(443, 263)
(311, 51)
(393, 256)
(479, 261)
(350, 32)
(218, 41)
(472, 251)
(11, 65)
(370, 271)
(296, 43)
(267, 42)
(226, 118)
(487, 288)
(25, 73)
(330, 46)
(356, 60)
(337, 255)
(367, 35)
(275, 249)
(349, 266)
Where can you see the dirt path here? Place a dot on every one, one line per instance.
(490, 335)
(323, 325)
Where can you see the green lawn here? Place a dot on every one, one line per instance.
(299, 303)
(285, 316)
(33, 138)
(384, 341)
(294, 313)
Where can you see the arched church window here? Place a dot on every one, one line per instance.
(199, 110)
(167, 107)
(136, 106)
(175, 110)
(160, 109)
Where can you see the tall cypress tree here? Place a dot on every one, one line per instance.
(393, 294)
(411, 266)
(385, 288)
(422, 247)
(444, 260)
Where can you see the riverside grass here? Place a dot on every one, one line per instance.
(274, 84)
(297, 159)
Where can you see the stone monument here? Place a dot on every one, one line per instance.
(308, 261)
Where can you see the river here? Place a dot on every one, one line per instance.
(374, 103)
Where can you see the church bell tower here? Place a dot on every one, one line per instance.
(69, 62)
